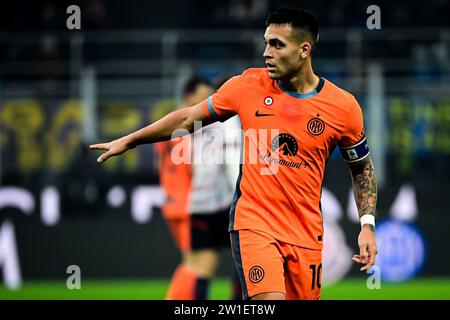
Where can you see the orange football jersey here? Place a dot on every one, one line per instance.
(288, 138)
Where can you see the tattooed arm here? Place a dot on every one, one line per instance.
(365, 191)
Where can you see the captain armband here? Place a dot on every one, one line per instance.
(355, 152)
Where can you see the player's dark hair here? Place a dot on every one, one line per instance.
(297, 18)
(192, 84)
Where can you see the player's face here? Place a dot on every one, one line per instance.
(283, 53)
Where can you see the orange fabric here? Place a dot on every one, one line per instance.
(285, 204)
(273, 266)
(175, 178)
(180, 228)
(183, 284)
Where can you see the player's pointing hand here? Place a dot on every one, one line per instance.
(114, 148)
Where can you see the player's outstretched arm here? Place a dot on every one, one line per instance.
(160, 130)
(365, 191)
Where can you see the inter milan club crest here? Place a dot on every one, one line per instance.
(256, 274)
(268, 101)
(315, 126)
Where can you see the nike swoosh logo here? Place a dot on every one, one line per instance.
(263, 114)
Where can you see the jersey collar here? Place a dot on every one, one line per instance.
(307, 95)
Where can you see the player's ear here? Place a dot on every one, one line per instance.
(305, 49)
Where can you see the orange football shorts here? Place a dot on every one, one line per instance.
(265, 264)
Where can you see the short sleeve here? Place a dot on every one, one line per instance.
(224, 104)
(353, 143)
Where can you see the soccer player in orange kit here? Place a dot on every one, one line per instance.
(292, 120)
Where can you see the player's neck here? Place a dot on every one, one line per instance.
(304, 81)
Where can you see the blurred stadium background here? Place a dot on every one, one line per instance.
(61, 90)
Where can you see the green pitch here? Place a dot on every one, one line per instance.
(437, 288)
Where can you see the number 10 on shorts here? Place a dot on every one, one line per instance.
(316, 276)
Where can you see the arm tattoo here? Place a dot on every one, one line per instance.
(364, 186)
